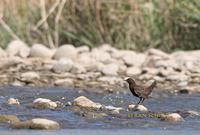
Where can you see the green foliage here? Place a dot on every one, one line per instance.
(128, 24)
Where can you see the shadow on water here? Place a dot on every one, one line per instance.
(160, 102)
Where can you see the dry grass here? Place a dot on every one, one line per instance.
(130, 24)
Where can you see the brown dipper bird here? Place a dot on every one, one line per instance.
(140, 91)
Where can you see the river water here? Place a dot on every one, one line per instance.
(71, 123)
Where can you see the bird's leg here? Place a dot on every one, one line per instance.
(139, 101)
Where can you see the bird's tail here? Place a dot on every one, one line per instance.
(152, 86)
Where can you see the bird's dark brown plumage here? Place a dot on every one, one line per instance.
(140, 91)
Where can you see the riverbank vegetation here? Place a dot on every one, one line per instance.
(129, 24)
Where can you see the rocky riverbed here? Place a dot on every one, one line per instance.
(62, 108)
(70, 87)
(104, 67)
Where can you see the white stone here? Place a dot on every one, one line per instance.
(41, 51)
(86, 103)
(83, 49)
(131, 58)
(158, 53)
(140, 108)
(65, 82)
(173, 117)
(63, 65)
(100, 56)
(66, 51)
(29, 76)
(18, 48)
(178, 77)
(78, 68)
(13, 101)
(42, 103)
(111, 80)
(110, 69)
(132, 71)
(36, 123)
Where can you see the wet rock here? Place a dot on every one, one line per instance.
(132, 71)
(41, 51)
(93, 115)
(42, 103)
(8, 118)
(29, 76)
(65, 82)
(3, 54)
(173, 117)
(66, 51)
(36, 123)
(13, 101)
(114, 110)
(110, 69)
(18, 48)
(193, 113)
(140, 108)
(63, 65)
(83, 49)
(86, 103)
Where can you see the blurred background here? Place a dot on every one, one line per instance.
(126, 24)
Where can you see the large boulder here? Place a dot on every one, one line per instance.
(36, 123)
(66, 51)
(18, 48)
(41, 51)
(84, 102)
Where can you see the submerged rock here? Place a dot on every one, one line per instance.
(8, 119)
(42, 103)
(13, 101)
(173, 117)
(140, 108)
(86, 103)
(36, 123)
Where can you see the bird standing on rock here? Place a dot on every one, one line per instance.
(141, 92)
